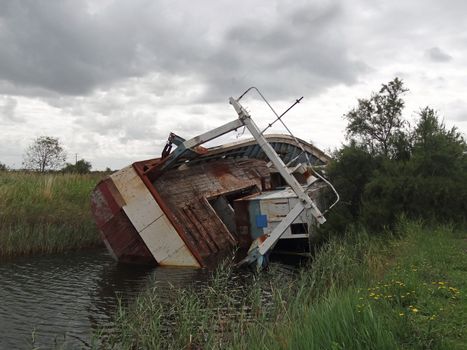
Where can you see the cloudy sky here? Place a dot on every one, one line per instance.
(111, 79)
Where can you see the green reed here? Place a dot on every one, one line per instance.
(43, 213)
(346, 298)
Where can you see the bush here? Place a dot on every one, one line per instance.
(423, 176)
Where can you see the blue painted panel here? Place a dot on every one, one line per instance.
(253, 211)
(261, 221)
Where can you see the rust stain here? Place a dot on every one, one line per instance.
(116, 229)
(200, 150)
(262, 238)
(168, 212)
(183, 194)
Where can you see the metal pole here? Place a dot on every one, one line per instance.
(278, 118)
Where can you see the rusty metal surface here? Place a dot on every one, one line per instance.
(284, 145)
(242, 222)
(182, 196)
(186, 193)
(140, 168)
(119, 235)
(149, 220)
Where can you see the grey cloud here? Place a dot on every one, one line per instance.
(196, 110)
(190, 128)
(140, 126)
(11, 148)
(64, 47)
(124, 125)
(8, 109)
(437, 55)
(304, 51)
(456, 111)
(59, 46)
(460, 116)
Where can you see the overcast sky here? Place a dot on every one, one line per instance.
(111, 79)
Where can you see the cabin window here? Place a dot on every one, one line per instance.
(225, 212)
(277, 181)
(299, 229)
(223, 206)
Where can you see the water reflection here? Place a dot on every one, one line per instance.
(60, 299)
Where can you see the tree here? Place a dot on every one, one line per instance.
(350, 170)
(80, 167)
(377, 122)
(45, 153)
(436, 150)
(429, 185)
(3, 167)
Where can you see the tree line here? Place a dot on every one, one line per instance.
(46, 154)
(388, 168)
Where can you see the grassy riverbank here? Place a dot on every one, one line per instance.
(43, 213)
(361, 292)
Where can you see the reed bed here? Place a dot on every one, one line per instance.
(201, 316)
(353, 295)
(44, 213)
(247, 311)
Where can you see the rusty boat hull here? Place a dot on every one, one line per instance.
(196, 211)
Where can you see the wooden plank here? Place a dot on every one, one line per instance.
(166, 245)
(147, 217)
(140, 206)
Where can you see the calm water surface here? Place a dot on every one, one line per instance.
(61, 299)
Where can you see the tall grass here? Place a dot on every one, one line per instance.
(42, 213)
(249, 311)
(323, 309)
(405, 292)
(423, 296)
(203, 316)
(359, 292)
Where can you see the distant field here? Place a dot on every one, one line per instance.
(44, 213)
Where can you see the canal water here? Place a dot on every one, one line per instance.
(62, 299)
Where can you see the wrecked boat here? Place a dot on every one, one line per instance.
(194, 204)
